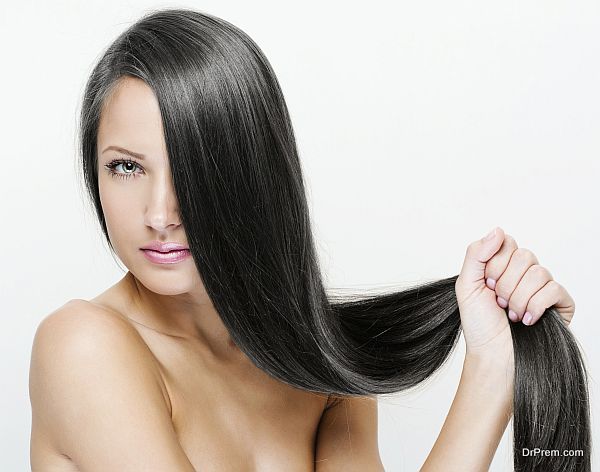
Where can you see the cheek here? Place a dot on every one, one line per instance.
(121, 214)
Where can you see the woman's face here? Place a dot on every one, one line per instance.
(138, 198)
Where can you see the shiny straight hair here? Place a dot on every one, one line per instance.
(240, 189)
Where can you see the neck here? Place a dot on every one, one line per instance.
(187, 315)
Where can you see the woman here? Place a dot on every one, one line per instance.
(219, 349)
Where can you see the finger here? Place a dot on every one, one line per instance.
(534, 279)
(549, 295)
(478, 253)
(520, 261)
(498, 263)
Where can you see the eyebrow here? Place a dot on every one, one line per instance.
(124, 151)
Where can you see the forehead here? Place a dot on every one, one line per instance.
(131, 118)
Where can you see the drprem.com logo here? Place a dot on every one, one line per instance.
(551, 452)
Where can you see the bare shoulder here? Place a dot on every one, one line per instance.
(85, 328)
(77, 313)
(96, 396)
(92, 311)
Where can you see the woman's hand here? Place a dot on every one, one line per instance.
(496, 275)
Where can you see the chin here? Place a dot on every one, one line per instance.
(165, 284)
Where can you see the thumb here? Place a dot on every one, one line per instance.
(478, 253)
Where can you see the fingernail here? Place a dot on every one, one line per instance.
(491, 283)
(527, 318)
(512, 315)
(490, 235)
(502, 302)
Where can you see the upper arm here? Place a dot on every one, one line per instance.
(95, 396)
(347, 436)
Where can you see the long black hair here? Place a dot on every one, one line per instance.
(238, 180)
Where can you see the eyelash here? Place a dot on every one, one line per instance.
(114, 163)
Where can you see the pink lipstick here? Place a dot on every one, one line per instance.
(165, 253)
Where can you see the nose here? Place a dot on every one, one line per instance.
(162, 212)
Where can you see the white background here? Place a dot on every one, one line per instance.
(421, 125)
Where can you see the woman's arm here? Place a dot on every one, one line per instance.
(477, 418)
(95, 395)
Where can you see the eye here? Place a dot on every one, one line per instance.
(128, 165)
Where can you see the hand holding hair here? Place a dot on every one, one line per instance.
(497, 275)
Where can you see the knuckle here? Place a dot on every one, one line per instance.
(540, 272)
(554, 287)
(510, 241)
(548, 274)
(525, 254)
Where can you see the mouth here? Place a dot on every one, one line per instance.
(166, 252)
(166, 257)
(164, 247)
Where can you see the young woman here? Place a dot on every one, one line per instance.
(219, 349)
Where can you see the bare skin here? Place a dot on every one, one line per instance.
(224, 409)
(227, 414)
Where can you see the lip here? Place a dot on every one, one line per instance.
(171, 257)
(157, 246)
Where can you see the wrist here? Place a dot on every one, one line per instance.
(494, 375)
(498, 358)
